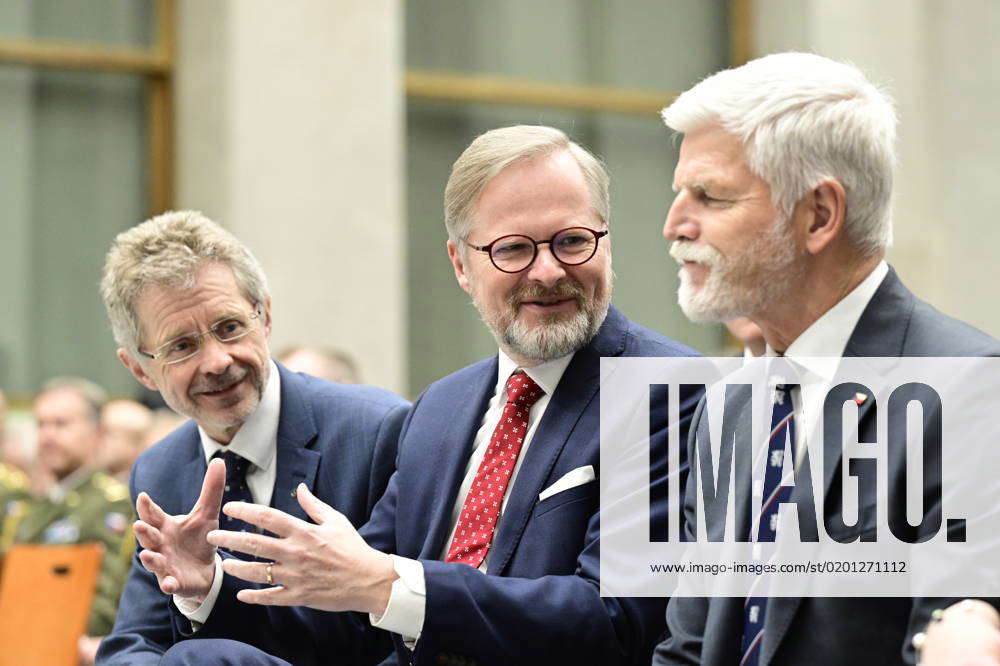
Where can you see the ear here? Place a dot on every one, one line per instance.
(136, 369)
(456, 261)
(266, 318)
(826, 210)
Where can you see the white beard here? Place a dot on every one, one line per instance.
(761, 274)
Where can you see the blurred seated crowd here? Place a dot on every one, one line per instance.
(70, 484)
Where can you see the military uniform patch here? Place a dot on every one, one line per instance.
(116, 522)
(61, 531)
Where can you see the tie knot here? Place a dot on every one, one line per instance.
(236, 465)
(522, 390)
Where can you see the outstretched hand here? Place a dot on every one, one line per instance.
(327, 566)
(175, 547)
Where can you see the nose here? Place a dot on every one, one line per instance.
(546, 269)
(680, 223)
(215, 357)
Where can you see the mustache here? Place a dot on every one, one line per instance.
(533, 292)
(682, 251)
(210, 383)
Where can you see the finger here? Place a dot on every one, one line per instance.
(149, 510)
(154, 562)
(169, 585)
(253, 572)
(272, 520)
(210, 499)
(318, 510)
(148, 536)
(257, 545)
(269, 596)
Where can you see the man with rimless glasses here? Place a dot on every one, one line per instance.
(484, 549)
(190, 310)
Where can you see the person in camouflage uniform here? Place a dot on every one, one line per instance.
(85, 505)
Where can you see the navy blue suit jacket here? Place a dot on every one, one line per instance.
(338, 439)
(828, 631)
(539, 603)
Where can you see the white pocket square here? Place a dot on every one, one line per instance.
(571, 479)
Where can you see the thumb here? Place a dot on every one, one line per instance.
(318, 510)
(210, 500)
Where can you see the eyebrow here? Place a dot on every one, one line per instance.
(698, 185)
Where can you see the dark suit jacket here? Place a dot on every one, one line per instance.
(539, 603)
(833, 631)
(338, 439)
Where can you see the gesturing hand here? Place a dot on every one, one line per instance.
(175, 546)
(327, 566)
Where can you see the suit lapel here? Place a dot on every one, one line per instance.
(296, 462)
(742, 484)
(453, 451)
(880, 331)
(573, 396)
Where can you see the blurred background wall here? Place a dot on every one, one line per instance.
(290, 132)
(322, 131)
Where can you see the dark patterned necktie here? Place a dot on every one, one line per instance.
(236, 490)
(775, 492)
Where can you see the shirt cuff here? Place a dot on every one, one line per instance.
(198, 613)
(404, 614)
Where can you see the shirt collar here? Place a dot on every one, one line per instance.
(256, 437)
(819, 347)
(546, 375)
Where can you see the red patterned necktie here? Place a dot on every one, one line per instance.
(478, 520)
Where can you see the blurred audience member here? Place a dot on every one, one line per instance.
(83, 505)
(151, 399)
(13, 482)
(747, 334)
(323, 362)
(165, 421)
(124, 424)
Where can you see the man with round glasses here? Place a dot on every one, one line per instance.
(190, 310)
(484, 548)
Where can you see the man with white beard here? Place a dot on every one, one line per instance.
(782, 215)
(485, 547)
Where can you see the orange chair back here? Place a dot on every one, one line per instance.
(45, 597)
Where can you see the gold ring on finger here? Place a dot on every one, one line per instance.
(267, 570)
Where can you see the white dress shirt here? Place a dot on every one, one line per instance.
(257, 441)
(405, 611)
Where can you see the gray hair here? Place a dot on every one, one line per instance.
(168, 250)
(802, 118)
(93, 396)
(497, 149)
